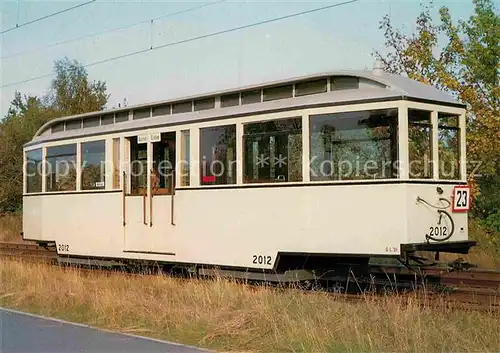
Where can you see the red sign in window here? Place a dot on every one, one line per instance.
(208, 179)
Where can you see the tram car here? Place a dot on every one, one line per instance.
(276, 178)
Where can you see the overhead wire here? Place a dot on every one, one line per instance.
(194, 8)
(46, 16)
(213, 34)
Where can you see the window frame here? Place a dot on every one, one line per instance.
(25, 175)
(432, 127)
(310, 87)
(77, 167)
(200, 154)
(81, 169)
(116, 158)
(459, 151)
(435, 109)
(362, 108)
(184, 155)
(245, 178)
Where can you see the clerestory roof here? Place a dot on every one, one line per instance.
(323, 89)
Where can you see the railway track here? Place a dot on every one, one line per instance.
(27, 252)
(477, 289)
(470, 278)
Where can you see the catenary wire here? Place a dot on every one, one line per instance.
(47, 16)
(111, 30)
(213, 34)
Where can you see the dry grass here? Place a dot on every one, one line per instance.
(227, 316)
(11, 227)
(476, 256)
(486, 253)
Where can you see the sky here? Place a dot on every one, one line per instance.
(339, 38)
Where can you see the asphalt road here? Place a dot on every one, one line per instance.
(25, 333)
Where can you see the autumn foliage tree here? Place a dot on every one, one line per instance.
(462, 58)
(70, 93)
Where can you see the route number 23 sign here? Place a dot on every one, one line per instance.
(461, 199)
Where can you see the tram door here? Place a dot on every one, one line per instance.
(148, 204)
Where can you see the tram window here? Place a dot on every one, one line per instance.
(58, 127)
(344, 82)
(116, 163)
(91, 122)
(93, 165)
(354, 145)
(218, 155)
(73, 124)
(310, 87)
(280, 92)
(138, 167)
(161, 110)
(273, 151)
(230, 100)
(183, 107)
(142, 113)
(448, 146)
(34, 171)
(121, 117)
(185, 158)
(61, 168)
(419, 144)
(250, 97)
(163, 163)
(202, 104)
(108, 119)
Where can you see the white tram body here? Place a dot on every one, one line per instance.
(282, 192)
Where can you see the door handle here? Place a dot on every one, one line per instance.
(153, 181)
(172, 196)
(151, 209)
(144, 208)
(123, 200)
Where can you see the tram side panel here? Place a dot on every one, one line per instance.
(248, 227)
(425, 219)
(80, 224)
(33, 218)
(241, 227)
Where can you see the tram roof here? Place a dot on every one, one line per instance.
(341, 88)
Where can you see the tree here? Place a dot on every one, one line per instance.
(467, 65)
(70, 93)
(24, 118)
